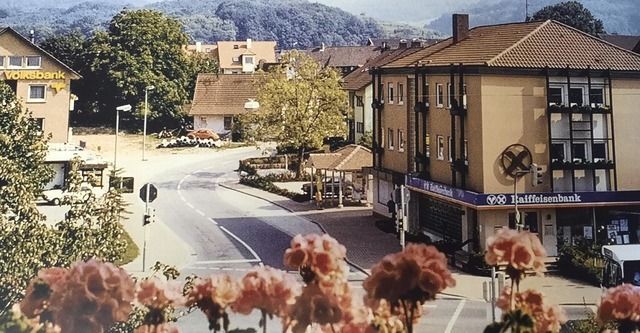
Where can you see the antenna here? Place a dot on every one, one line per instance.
(526, 10)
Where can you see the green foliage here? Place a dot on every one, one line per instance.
(67, 47)
(571, 13)
(301, 103)
(581, 260)
(140, 48)
(366, 140)
(266, 183)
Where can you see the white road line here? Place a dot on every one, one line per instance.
(190, 205)
(253, 253)
(183, 199)
(230, 261)
(455, 316)
(199, 212)
(212, 221)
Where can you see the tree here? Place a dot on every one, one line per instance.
(140, 48)
(571, 13)
(301, 103)
(67, 48)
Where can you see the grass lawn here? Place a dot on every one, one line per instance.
(132, 251)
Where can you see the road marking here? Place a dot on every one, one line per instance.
(190, 205)
(212, 221)
(253, 253)
(455, 316)
(199, 212)
(183, 199)
(230, 261)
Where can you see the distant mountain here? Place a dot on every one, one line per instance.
(621, 16)
(292, 23)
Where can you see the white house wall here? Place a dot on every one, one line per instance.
(214, 123)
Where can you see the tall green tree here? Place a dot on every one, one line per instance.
(571, 13)
(301, 104)
(140, 48)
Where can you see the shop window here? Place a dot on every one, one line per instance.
(34, 61)
(390, 96)
(37, 93)
(400, 93)
(15, 62)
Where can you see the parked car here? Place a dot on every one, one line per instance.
(203, 133)
(327, 182)
(64, 196)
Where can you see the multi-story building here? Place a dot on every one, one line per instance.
(236, 57)
(462, 124)
(41, 82)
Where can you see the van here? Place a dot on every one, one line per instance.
(621, 265)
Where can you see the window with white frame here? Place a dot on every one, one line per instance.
(450, 148)
(555, 95)
(449, 95)
(440, 147)
(203, 121)
(15, 62)
(248, 60)
(34, 61)
(576, 96)
(557, 151)
(400, 93)
(599, 151)
(37, 93)
(359, 101)
(390, 92)
(40, 124)
(390, 138)
(579, 152)
(2, 61)
(235, 59)
(400, 140)
(596, 97)
(359, 127)
(426, 94)
(439, 95)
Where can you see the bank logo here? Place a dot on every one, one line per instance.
(499, 199)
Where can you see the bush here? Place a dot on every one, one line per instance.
(264, 183)
(581, 260)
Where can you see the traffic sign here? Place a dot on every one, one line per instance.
(148, 193)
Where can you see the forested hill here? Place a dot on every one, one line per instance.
(292, 23)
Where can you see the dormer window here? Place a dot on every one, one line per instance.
(235, 59)
(235, 47)
(248, 60)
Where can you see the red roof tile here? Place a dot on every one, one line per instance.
(222, 93)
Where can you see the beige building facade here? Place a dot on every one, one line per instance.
(533, 117)
(41, 82)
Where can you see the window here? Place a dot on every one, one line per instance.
(359, 101)
(439, 95)
(557, 152)
(400, 93)
(599, 151)
(390, 137)
(579, 152)
(555, 96)
(40, 124)
(15, 62)
(427, 141)
(464, 95)
(466, 149)
(37, 93)
(1, 61)
(359, 127)
(576, 97)
(440, 147)
(449, 94)
(400, 140)
(203, 121)
(248, 60)
(235, 59)
(34, 61)
(426, 94)
(227, 123)
(235, 47)
(596, 97)
(390, 85)
(450, 148)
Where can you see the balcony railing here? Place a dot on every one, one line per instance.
(582, 109)
(582, 165)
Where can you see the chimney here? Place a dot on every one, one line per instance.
(322, 47)
(32, 36)
(403, 44)
(249, 43)
(460, 27)
(198, 47)
(416, 43)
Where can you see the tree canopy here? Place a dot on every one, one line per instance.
(571, 13)
(301, 104)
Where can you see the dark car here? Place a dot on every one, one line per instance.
(203, 133)
(347, 187)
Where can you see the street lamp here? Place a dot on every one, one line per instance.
(125, 108)
(144, 130)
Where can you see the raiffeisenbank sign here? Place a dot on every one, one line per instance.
(33, 75)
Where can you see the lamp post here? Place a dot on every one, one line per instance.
(144, 128)
(125, 108)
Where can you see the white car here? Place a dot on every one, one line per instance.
(60, 196)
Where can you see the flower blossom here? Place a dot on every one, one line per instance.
(212, 295)
(546, 318)
(39, 291)
(314, 306)
(417, 274)
(520, 250)
(92, 297)
(158, 293)
(268, 289)
(161, 328)
(323, 254)
(619, 303)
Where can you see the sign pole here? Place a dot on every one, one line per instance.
(144, 244)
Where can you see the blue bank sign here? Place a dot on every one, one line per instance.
(481, 200)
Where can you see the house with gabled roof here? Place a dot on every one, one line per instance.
(624, 41)
(528, 125)
(41, 82)
(343, 58)
(236, 57)
(218, 98)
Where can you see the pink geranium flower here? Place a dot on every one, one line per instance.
(268, 289)
(619, 303)
(322, 255)
(519, 250)
(547, 318)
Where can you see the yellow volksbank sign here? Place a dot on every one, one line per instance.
(31, 75)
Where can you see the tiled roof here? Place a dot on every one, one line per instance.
(222, 94)
(526, 45)
(263, 50)
(626, 42)
(349, 158)
(343, 56)
(360, 77)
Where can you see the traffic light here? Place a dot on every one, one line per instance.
(536, 174)
(146, 219)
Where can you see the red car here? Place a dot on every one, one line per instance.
(203, 133)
